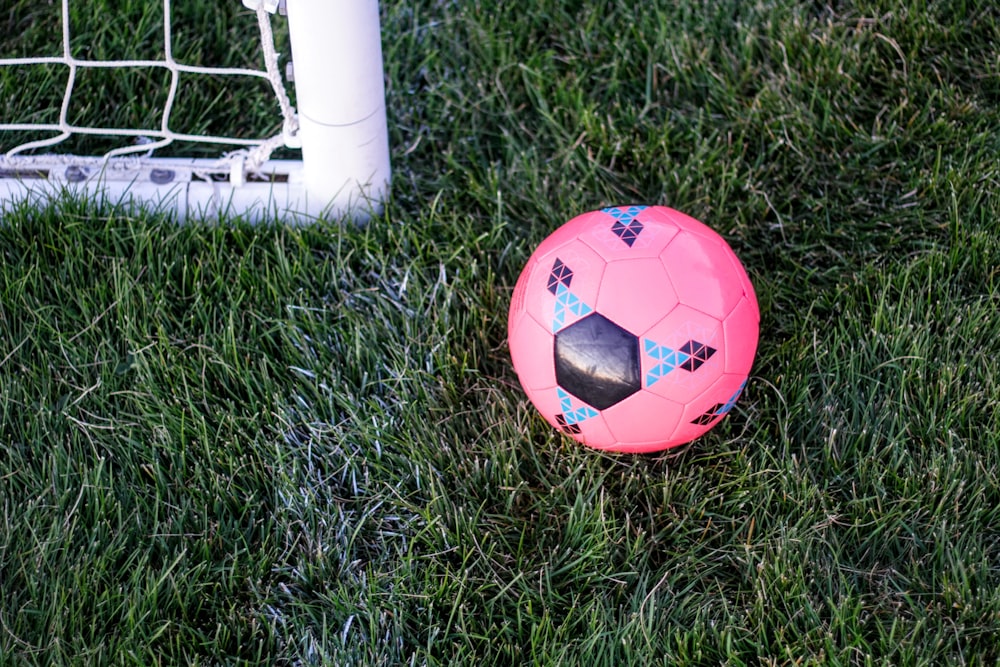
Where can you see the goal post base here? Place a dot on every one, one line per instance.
(188, 188)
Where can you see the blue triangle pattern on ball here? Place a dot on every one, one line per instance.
(567, 302)
(626, 226)
(624, 213)
(719, 410)
(559, 275)
(728, 405)
(667, 359)
(570, 415)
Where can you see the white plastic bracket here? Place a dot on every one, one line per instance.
(237, 173)
(270, 6)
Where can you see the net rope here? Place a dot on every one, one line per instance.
(251, 155)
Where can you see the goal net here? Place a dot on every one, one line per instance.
(136, 101)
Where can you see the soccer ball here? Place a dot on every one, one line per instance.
(633, 329)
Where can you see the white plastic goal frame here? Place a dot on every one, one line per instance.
(339, 125)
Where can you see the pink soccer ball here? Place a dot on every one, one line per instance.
(633, 329)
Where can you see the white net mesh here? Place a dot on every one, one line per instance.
(249, 155)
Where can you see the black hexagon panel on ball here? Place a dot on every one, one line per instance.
(597, 361)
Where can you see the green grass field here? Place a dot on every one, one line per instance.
(225, 444)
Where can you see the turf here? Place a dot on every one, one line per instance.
(226, 444)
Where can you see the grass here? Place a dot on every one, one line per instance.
(226, 444)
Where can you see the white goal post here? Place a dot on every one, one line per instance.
(338, 122)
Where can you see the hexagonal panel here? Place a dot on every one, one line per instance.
(645, 421)
(742, 330)
(706, 410)
(695, 226)
(593, 432)
(748, 290)
(682, 354)
(563, 284)
(703, 274)
(531, 352)
(571, 416)
(628, 232)
(636, 293)
(597, 361)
